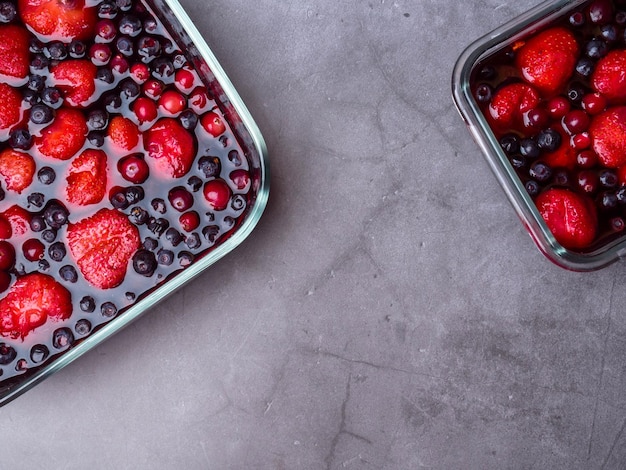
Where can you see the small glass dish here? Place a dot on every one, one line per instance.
(494, 50)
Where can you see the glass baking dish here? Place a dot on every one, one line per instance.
(499, 52)
(198, 203)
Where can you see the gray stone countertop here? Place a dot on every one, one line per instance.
(388, 312)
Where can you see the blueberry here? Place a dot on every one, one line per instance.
(562, 178)
(83, 327)
(35, 45)
(97, 119)
(107, 10)
(108, 309)
(7, 354)
(95, 138)
(540, 172)
(509, 143)
(104, 74)
(77, 49)
(20, 139)
(575, 93)
(179, 60)
(608, 200)
(529, 148)
(608, 32)
(8, 12)
(46, 175)
(483, 93)
(621, 195)
(188, 119)
(518, 162)
(150, 25)
(210, 166)
(193, 241)
(163, 69)
(150, 244)
(52, 97)
(36, 82)
(68, 273)
(55, 50)
(62, 338)
(596, 49)
(56, 214)
(617, 224)
(124, 5)
(43, 265)
(144, 263)
(134, 194)
(41, 114)
(620, 18)
(532, 187)
(165, 257)
(39, 353)
(139, 216)
(235, 157)
(48, 235)
(30, 97)
(118, 199)
(57, 251)
(210, 233)
(129, 89)
(608, 179)
(194, 183)
(238, 202)
(158, 205)
(548, 140)
(125, 46)
(158, 226)
(185, 258)
(87, 304)
(37, 223)
(173, 236)
(148, 48)
(112, 101)
(36, 199)
(39, 62)
(130, 25)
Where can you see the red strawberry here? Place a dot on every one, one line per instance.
(17, 169)
(10, 108)
(14, 54)
(31, 301)
(64, 136)
(102, 246)
(509, 105)
(571, 217)
(548, 59)
(19, 219)
(87, 179)
(609, 78)
(565, 155)
(61, 20)
(123, 133)
(77, 79)
(608, 136)
(171, 147)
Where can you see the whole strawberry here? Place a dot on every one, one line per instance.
(608, 136)
(571, 217)
(510, 104)
(14, 55)
(58, 19)
(547, 60)
(609, 77)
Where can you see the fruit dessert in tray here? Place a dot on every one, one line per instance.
(545, 97)
(127, 165)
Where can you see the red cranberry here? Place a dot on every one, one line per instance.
(594, 103)
(133, 168)
(140, 73)
(7, 255)
(33, 249)
(119, 64)
(5, 228)
(100, 54)
(586, 159)
(198, 100)
(537, 118)
(617, 224)
(601, 11)
(105, 30)
(588, 181)
(189, 221)
(184, 80)
(180, 198)
(558, 107)
(581, 141)
(145, 109)
(153, 88)
(217, 193)
(172, 102)
(575, 122)
(213, 124)
(241, 178)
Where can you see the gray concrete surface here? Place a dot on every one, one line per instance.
(389, 312)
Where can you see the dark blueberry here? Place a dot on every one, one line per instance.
(488, 72)
(150, 244)
(194, 183)
(112, 101)
(129, 89)
(173, 236)
(39, 353)
(7, 354)
(8, 12)
(532, 187)
(68, 273)
(118, 199)
(37, 223)
(518, 162)
(77, 49)
(596, 49)
(188, 119)
(548, 140)
(163, 69)
(35, 45)
(235, 157)
(20, 139)
(36, 199)
(55, 50)
(621, 195)
(39, 62)
(529, 148)
(30, 97)
(562, 178)
(48, 235)
(185, 258)
(229, 221)
(97, 119)
(87, 304)
(144, 263)
(210, 233)
(483, 93)
(83, 327)
(62, 338)
(55, 214)
(620, 18)
(41, 114)
(608, 200)
(43, 265)
(608, 179)
(107, 10)
(104, 74)
(139, 216)
(158, 205)
(224, 141)
(600, 11)
(193, 241)
(57, 251)
(179, 60)
(540, 172)
(124, 5)
(210, 166)
(150, 25)
(130, 25)
(52, 97)
(577, 19)
(238, 202)
(125, 46)
(95, 138)
(608, 32)
(36, 82)
(108, 310)
(130, 296)
(21, 365)
(148, 48)
(169, 47)
(575, 93)
(165, 257)
(158, 226)
(134, 194)
(509, 143)
(46, 175)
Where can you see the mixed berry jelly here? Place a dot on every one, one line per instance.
(555, 128)
(138, 134)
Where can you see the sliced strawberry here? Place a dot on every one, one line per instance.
(30, 302)
(87, 179)
(102, 246)
(548, 59)
(123, 133)
(10, 108)
(509, 105)
(19, 219)
(64, 136)
(609, 78)
(61, 20)
(571, 217)
(17, 169)
(171, 147)
(14, 55)
(608, 136)
(77, 80)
